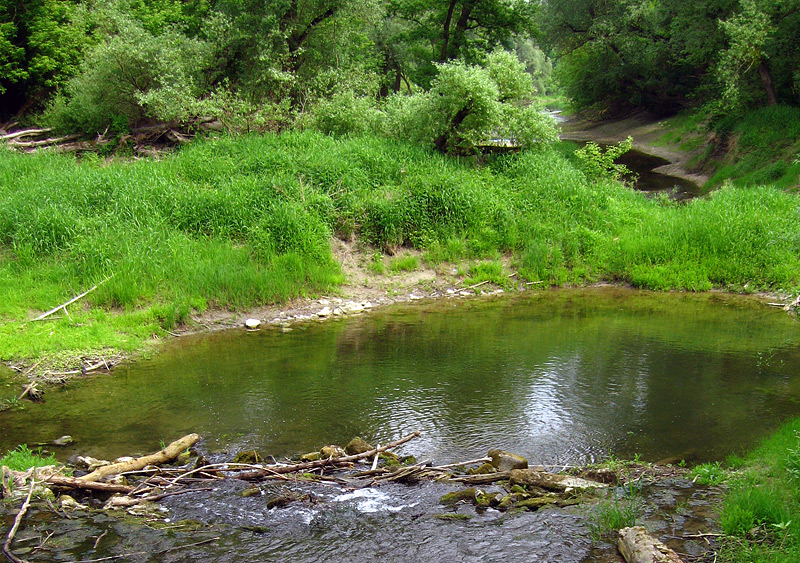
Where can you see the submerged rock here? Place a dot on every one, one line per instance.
(357, 446)
(505, 461)
(248, 456)
(467, 495)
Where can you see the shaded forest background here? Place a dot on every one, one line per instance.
(92, 67)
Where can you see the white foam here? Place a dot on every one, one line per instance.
(371, 500)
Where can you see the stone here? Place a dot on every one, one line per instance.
(505, 461)
(252, 323)
(467, 495)
(312, 456)
(62, 441)
(248, 456)
(550, 481)
(331, 451)
(324, 312)
(357, 446)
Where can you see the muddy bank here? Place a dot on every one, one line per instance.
(646, 132)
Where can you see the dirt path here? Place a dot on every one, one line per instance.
(646, 132)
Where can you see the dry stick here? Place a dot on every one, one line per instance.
(375, 460)
(794, 303)
(17, 520)
(71, 301)
(76, 483)
(325, 462)
(167, 454)
(25, 133)
(97, 541)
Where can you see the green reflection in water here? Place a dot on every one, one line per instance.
(562, 376)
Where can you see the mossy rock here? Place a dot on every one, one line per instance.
(467, 494)
(331, 451)
(311, 456)
(507, 502)
(536, 503)
(485, 469)
(488, 500)
(505, 461)
(357, 446)
(389, 459)
(408, 460)
(248, 456)
(282, 499)
(452, 516)
(249, 492)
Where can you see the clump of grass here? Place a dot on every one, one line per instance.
(709, 474)
(407, 263)
(23, 458)
(491, 271)
(377, 265)
(614, 513)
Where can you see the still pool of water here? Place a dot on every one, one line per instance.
(562, 377)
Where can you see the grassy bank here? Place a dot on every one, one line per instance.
(760, 147)
(239, 222)
(762, 510)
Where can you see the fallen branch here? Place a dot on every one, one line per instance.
(77, 483)
(795, 303)
(323, 462)
(167, 454)
(43, 142)
(71, 301)
(17, 520)
(25, 133)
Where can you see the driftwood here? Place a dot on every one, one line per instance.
(71, 301)
(333, 461)
(167, 454)
(10, 538)
(25, 133)
(637, 546)
(78, 483)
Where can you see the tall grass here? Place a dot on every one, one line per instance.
(762, 510)
(237, 222)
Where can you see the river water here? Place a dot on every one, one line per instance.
(559, 376)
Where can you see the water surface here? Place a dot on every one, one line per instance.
(562, 377)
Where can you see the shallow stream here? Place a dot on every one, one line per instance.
(562, 377)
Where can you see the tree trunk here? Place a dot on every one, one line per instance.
(769, 86)
(446, 31)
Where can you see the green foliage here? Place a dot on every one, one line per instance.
(614, 513)
(709, 474)
(761, 509)
(407, 263)
(599, 163)
(466, 106)
(133, 75)
(23, 458)
(241, 222)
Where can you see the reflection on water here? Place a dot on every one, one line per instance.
(560, 377)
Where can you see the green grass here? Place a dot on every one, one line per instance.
(761, 512)
(614, 513)
(246, 221)
(23, 458)
(407, 263)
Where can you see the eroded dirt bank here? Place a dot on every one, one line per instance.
(646, 131)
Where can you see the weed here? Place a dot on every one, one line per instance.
(709, 474)
(23, 458)
(376, 265)
(407, 263)
(614, 513)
